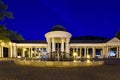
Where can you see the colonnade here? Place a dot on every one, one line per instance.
(12, 51)
(79, 52)
(64, 47)
(32, 52)
(104, 51)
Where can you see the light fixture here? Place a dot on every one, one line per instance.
(88, 56)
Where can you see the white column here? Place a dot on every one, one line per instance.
(101, 53)
(53, 45)
(14, 51)
(2, 52)
(93, 54)
(31, 52)
(67, 46)
(77, 51)
(23, 52)
(49, 45)
(80, 51)
(62, 45)
(117, 53)
(85, 53)
(107, 52)
(11, 51)
(35, 51)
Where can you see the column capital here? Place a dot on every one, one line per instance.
(2, 44)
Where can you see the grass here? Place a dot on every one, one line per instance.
(10, 71)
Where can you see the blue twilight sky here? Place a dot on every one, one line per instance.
(33, 18)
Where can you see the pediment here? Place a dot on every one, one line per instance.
(114, 40)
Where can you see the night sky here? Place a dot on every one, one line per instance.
(34, 18)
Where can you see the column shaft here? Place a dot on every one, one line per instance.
(101, 53)
(23, 52)
(107, 52)
(14, 51)
(31, 52)
(49, 46)
(62, 45)
(53, 45)
(2, 52)
(93, 54)
(80, 51)
(11, 50)
(67, 46)
(117, 53)
(85, 53)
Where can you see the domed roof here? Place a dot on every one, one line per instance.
(57, 28)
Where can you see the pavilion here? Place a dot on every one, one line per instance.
(59, 43)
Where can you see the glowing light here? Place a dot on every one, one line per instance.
(112, 53)
(74, 54)
(88, 56)
(74, 61)
(88, 61)
(25, 49)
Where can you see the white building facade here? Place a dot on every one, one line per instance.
(58, 43)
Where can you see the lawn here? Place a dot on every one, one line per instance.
(10, 71)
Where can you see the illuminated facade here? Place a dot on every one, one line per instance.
(59, 44)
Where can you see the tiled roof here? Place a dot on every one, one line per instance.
(88, 41)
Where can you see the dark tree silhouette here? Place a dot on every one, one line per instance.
(5, 34)
(3, 11)
(118, 34)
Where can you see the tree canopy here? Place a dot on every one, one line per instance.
(118, 34)
(6, 34)
(3, 11)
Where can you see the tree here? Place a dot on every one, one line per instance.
(118, 34)
(14, 36)
(3, 11)
(5, 34)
